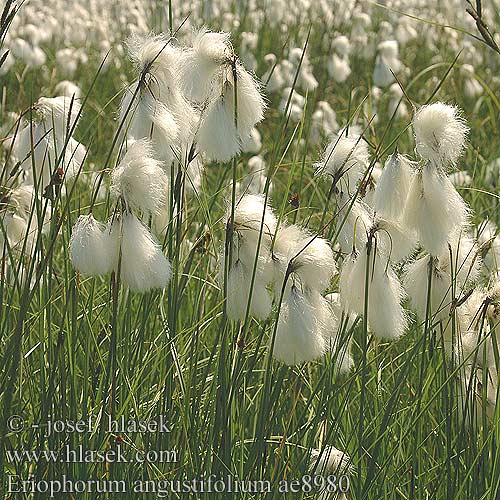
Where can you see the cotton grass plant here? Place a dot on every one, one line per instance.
(283, 266)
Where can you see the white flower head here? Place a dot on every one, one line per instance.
(224, 126)
(393, 186)
(328, 462)
(139, 179)
(238, 293)
(440, 133)
(434, 210)
(346, 158)
(313, 263)
(144, 117)
(356, 220)
(415, 282)
(59, 114)
(386, 317)
(154, 54)
(91, 248)
(300, 335)
(143, 264)
(210, 50)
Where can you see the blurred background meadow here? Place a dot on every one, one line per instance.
(74, 347)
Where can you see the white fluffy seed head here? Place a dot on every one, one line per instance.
(313, 261)
(144, 117)
(386, 316)
(68, 89)
(209, 51)
(393, 186)
(59, 114)
(249, 211)
(395, 240)
(440, 133)
(346, 157)
(356, 221)
(140, 180)
(154, 54)
(143, 264)
(300, 332)
(91, 249)
(434, 209)
(329, 461)
(224, 127)
(415, 281)
(217, 135)
(238, 293)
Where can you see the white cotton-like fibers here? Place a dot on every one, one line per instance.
(338, 68)
(396, 105)
(68, 89)
(238, 294)
(59, 116)
(328, 117)
(386, 317)
(300, 331)
(22, 200)
(144, 117)
(339, 311)
(140, 180)
(19, 218)
(273, 78)
(253, 143)
(387, 60)
(415, 281)
(369, 185)
(143, 264)
(161, 60)
(335, 329)
(251, 104)
(345, 157)
(313, 261)
(91, 249)
(224, 127)
(35, 150)
(329, 462)
(440, 133)
(393, 186)
(72, 158)
(16, 229)
(217, 135)
(464, 262)
(209, 51)
(248, 214)
(41, 146)
(156, 55)
(305, 78)
(352, 281)
(434, 209)
(395, 241)
(255, 181)
(352, 233)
